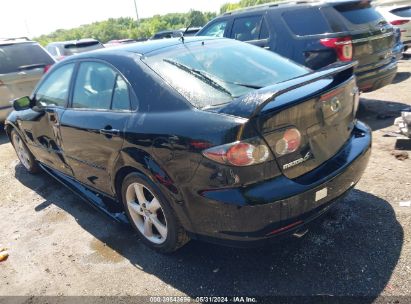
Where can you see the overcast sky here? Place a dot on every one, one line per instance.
(35, 17)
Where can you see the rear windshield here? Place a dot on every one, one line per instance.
(359, 12)
(402, 12)
(71, 49)
(20, 56)
(307, 21)
(215, 72)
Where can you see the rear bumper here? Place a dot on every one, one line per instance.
(397, 50)
(218, 215)
(373, 79)
(4, 112)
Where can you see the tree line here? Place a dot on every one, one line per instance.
(120, 28)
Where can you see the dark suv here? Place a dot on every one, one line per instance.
(316, 34)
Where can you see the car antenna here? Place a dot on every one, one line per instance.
(187, 28)
(182, 36)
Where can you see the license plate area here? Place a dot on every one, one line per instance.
(321, 194)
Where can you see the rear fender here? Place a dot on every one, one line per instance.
(145, 163)
(133, 159)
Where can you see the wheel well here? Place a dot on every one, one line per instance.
(121, 174)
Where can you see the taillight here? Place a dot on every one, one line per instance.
(46, 68)
(399, 22)
(342, 46)
(290, 142)
(240, 153)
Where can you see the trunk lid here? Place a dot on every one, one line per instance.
(321, 105)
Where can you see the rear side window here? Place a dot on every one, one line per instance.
(121, 95)
(247, 28)
(402, 12)
(22, 56)
(216, 29)
(358, 13)
(307, 21)
(97, 86)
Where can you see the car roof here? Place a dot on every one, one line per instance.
(287, 4)
(19, 40)
(145, 47)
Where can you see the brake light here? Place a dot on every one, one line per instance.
(290, 142)
(241, 153)
(342, 46)
(46, 68)
(399, 22)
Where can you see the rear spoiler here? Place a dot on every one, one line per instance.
(251, 104)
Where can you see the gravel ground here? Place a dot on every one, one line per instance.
(59, 245)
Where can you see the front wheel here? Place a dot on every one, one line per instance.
(151, 215)
(23, 153)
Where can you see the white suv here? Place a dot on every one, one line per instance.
(400, 16)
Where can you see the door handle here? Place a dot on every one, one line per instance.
(266, 47)
(110, 132)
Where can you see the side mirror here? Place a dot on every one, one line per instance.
(22, 103)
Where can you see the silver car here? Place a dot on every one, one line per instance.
(22, 64)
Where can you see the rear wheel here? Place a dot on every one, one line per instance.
(23, 153)
(151, 215)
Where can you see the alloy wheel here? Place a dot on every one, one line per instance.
(146, 212)
(21, 151)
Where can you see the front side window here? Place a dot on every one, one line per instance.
(55, 89)
(246, 28)
(215, 30)
(97, 85)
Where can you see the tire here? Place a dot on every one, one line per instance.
(151, 215)
(23, 153)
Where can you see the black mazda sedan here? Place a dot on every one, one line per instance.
(202, 138)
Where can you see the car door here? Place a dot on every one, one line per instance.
(93, 126)
(252, 29)
(43, 129)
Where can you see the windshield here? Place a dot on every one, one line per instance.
(215, 72)
(359, 13)
(19, 56)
